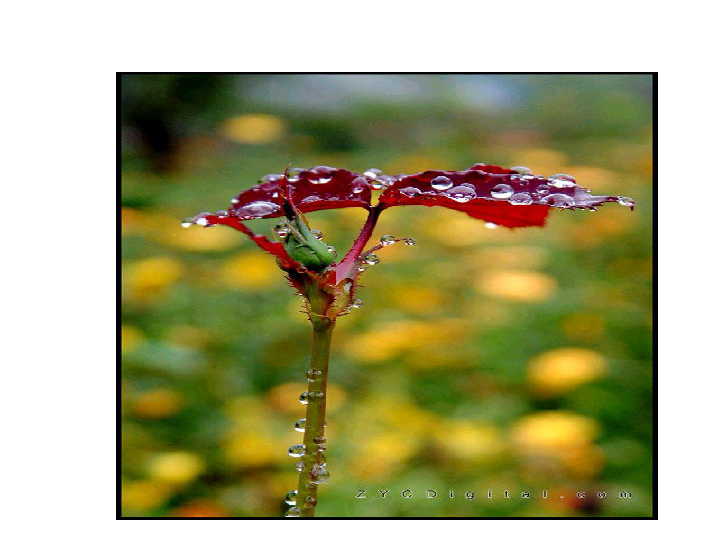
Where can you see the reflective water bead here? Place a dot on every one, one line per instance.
(315, 395)
(410, 242)
(372, 173)
(293, 512)
(291, 497)
(441, 183)
(561, 180)
(387, 240)
(296, 450)
(221, 213)
(310, 502)
(490, 225)
(300, 466)
(502, 191)
(304, 398)
(520, 199)
(372, 259)
(462, 193)
(313, 374)
(542, 189)
(376, 183)
(270, 177)
(187, 222)
(411, 191)
(559, 200)
(521, 170)
(358, 185)
(357, 303)
(281, 230)
(626, 201)
(311, 199)
(234, 200)
(300, 425)
(319, 474)
(320, 439)
(320, 180)
(317, 234)
(294, 175)
(256, 209)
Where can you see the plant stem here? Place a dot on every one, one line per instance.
(314, 460)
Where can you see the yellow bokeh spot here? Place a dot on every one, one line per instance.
(540, 160)
(553, 432)
(381, 454)
(254, 128)
(130, 339)
(176, 467)
(250, 450)
(144, 495)
(202, 238)
(560, 370)
(148, 278)
(419, 300)
(157, 403)
(557, 371)
(250, 272)
(390, 339)
(469, 440)
(518, 285)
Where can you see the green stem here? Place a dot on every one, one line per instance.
(314, 439)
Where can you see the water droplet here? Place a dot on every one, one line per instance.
(319, 474)
(234, 200)
(559, 200)
(462, 193)
(310, 502)
(542, 189)
(294, 175)
(411, 191)
(296, 450)
(320, 180)
(270, 177)
(520, 199)
(315, 395)
(291, 497)
(320, 439)
(561, 181)
(372, 259)
(387, 240)
(490, 225)
(361, 268)
(281, 229)
(441, 183)
(304, 398)
(187, 223)
(376, 183)
(293, 512)
(203, 222)
(502, 191)
(372, 173)
(310, 199)
(410, 242)
(521, 170)
(221, 213)
(300, 425)
(256, 209)
(300, 466)
(313, 374)
(626, 201)
(359, 185)
(357, 303)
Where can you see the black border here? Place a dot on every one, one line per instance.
(118, 259)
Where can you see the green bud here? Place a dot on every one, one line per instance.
(302, 245)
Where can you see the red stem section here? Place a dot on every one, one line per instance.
(357, 248)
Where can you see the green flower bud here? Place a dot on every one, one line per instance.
(302, 245)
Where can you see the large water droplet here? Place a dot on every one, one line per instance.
(462, 193)
(372, 259)
(387, 240)
(291, 497)
(520, 199)
(559, 200)
(561, 181)
(256, 209)
(376, 183)
(626, 201)
(300, 425)
(502, 191)
(372, 173)
(296, 450)
(411, 191)
(319, 474)
(304, 398)
(441, 183)
(293, 512)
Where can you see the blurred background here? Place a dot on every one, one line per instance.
(482, 359)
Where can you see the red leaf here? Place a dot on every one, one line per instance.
(319, 188)
(512, 198)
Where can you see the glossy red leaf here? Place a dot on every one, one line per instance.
(319, 188)
(507, 197)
